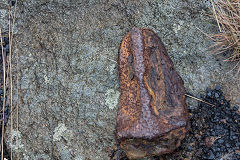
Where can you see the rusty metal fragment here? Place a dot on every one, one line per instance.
(152, 117)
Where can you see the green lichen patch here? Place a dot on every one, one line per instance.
(112, 97)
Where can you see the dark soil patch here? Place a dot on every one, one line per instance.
(214, 133)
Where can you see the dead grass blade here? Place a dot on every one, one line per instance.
(11, 31)
(190, 96)
(4, 92)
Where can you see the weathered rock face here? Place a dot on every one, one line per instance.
(153, 116)
(67, 71)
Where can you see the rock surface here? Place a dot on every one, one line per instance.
(67, 69)
(152, 117)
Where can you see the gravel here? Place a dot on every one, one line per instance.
(215, 131)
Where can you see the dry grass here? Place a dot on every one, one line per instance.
(227, 15)
(4, 94)
(7, 77)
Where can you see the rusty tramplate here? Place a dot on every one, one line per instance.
(152, 117)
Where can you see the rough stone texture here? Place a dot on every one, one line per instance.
(153, 116)
(4, 15)
(67, 68)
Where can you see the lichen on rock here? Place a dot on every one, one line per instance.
(112, 97)
(61, 131)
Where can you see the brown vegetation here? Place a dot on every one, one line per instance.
(227, 15)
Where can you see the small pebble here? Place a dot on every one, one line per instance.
(189, 148)
(235, 108)
(6, 40)
(218, 88)
(228, 145)
(191, 107)
(3, 98)
(7, 48)
(211, 156)
(216, 95)
(220, 141)
(238, 144)
(209, 94)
